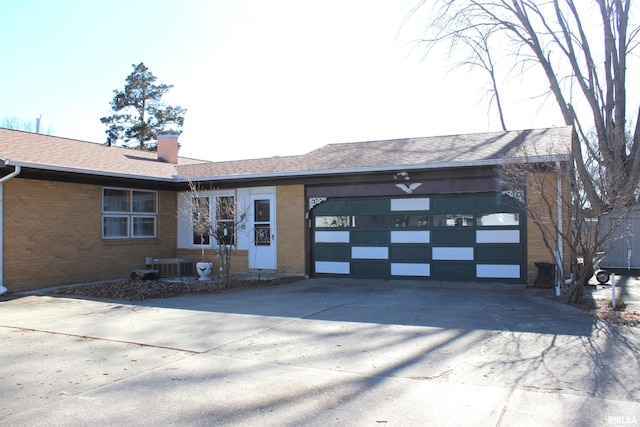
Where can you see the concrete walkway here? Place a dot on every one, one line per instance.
(317, 352)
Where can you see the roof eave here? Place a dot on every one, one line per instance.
(173, 178)
(293, 174)
(375, 169)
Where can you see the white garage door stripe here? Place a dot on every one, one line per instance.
(420, 204)
(410, 237)
(332, 267)
(452, 254)
(498, 271)
(410, 269)
(332, 237)
(497, 236)
(369, 252)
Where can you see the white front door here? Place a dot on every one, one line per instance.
(262, 250)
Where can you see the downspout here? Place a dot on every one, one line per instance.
(559, 257)
(4, 179)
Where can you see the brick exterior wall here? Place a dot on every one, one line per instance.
(239, 259)
(53, 236)
(537, 251)
(290, 220)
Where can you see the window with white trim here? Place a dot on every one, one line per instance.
(201, 214)
(225, 218)
(129, 213)
(218, 218)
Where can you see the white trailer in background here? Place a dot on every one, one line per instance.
(622, 249)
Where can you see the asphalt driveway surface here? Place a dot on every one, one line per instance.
(317, 352)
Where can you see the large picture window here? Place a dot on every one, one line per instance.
(129, 213)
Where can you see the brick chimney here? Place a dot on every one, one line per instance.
(168, 146)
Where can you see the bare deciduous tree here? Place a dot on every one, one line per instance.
(18, 123)
(557, 204)
(583, 48)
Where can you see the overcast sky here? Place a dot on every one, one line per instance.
(258, 78)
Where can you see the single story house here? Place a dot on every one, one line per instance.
(430, 208)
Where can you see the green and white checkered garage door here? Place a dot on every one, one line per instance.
(476, 237)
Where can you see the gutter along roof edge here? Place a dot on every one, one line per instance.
(91, 172)
(290, 174)
(386, 168)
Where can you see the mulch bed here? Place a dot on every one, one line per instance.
(600, 308)
(603, 311)
(137, 289)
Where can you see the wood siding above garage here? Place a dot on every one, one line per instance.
(468, 237)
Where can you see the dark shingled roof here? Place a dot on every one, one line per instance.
(429, 152)
(63, 154)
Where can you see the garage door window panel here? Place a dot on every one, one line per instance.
(500, 219)
(410, 221)
(453, 220)
(332, 221)
(370, 221)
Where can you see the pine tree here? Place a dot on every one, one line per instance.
(138, 111)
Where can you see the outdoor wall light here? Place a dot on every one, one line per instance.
(402, 176)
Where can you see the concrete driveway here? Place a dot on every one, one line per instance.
(317, 352)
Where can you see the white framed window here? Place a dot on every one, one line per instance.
(201, 216)
(217, 210)
(225, 219)
(128, 213)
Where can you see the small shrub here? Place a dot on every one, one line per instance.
(620, 304)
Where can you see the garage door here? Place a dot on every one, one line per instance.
(476, 237)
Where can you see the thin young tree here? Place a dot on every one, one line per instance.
(220, 224)
(139, 112)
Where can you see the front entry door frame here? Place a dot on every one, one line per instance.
(263, 244)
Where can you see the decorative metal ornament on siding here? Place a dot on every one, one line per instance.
(515, 194)
(409, 189)
(315, 201)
